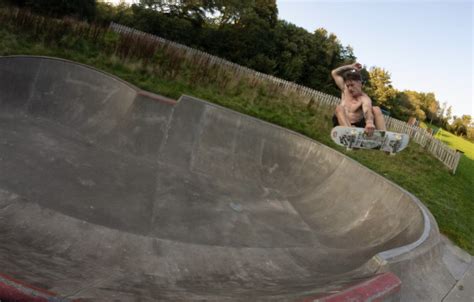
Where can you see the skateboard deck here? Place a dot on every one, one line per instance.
(351, 137)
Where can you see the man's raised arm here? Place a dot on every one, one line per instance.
(337, 73)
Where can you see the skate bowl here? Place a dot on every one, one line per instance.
(111, 193)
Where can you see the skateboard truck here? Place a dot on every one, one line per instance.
(351, 140)
(398, 139)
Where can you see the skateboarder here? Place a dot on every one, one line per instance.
(356, 107)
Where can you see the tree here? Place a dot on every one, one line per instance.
(106, 13)
(379, 87)
(291, 48)
(441, 113)
(420, 114)
(430, 106)
(461, 125)
(266, 10)
(466, 119)
(163, 6)
(470, 133)
(458, 127)
(324, 53)
(449, 113)
(82, 9)
(404, 107)
(230, 11)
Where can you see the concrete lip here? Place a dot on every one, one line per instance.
(109, 192)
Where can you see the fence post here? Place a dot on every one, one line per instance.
(455, 166)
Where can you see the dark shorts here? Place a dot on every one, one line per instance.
(359, 124)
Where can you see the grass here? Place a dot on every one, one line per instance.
(428, 126)
(465, 172)
(456, 142)
(449, 197)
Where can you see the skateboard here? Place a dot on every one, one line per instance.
(351, 137)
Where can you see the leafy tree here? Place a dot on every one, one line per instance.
(430, 106)
(267, 10)
(163, 6)
(449, 113)
(420, 114)
(404, 108)
(121, 13)
(466, 119)
(470, 133)
(83, 9)
(379, 87)
(292, 45)
(324, 54)
(459, 127)
(441, 114)
(423, 106)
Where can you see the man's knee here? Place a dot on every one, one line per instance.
(377, 111)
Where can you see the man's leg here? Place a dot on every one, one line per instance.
(341, 116)
(378, 118)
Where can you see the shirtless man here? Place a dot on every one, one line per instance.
(356, 108)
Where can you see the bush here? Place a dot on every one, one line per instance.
(81, 9)
(461, 130)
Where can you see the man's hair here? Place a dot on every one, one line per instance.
(352, 75)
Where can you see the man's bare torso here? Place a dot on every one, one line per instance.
(353, 106)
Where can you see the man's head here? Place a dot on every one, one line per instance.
(353, 82)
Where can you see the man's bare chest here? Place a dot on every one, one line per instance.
(352, 104)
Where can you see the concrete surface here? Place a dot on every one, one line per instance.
(461, 267)
(464, 288)
(112, 193)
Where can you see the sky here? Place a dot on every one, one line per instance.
(426, 45)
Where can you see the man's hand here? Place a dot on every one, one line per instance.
(369, 128)
(357, 66)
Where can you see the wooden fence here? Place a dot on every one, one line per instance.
(449, 157)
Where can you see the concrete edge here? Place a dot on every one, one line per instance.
(378, 288)
(382, 258)
(139, 91)
(15, 290)
(392, 254)
(157, 97)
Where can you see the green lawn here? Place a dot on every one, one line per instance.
(465, 169)
(456, 142)
(449, 197)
